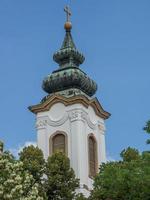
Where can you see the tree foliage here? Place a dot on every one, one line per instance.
(130, 154)
(124, 180)
(80, 197)
(147, 129)
(15, 182)
(61, 182)
(33, 161)
(1, 146)
(31, 178)
(55, 177)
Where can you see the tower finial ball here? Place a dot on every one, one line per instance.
(68, 26)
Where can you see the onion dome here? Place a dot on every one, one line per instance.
(69, 75)
(68, 78)
(68, 55)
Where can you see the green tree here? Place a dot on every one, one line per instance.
(147, 129)
(15, 182)
(61, 182)
(124, 180)
(1, 147)
(33, 162)
(80, 197)
(130, 154)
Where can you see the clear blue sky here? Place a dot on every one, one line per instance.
(115, 39)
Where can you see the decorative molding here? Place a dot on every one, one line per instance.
(101, 128)
(80, 114)
(91, 124)
(43, 121)
(73, 115)
(59, 122)
(81, 99)
(77, 114)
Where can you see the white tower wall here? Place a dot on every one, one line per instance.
(78, 122)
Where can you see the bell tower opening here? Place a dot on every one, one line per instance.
(58, 143)
(92, 156)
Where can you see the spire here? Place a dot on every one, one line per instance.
(68, 55)
(68, 41)
(69, 77)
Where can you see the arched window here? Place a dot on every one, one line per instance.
(92, 156)
(58, 143)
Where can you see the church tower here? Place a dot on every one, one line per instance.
(70, 119)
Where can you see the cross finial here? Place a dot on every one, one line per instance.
(68, 12)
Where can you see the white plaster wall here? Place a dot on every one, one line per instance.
(78, 122)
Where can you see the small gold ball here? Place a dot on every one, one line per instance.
(68, 26)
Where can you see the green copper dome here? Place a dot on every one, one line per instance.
(68, 54)
(68, 78)
(69, 75)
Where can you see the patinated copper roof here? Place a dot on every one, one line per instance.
(69, 75)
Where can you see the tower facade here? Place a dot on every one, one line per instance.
(69, 119)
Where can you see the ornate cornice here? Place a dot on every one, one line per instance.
(81, 99)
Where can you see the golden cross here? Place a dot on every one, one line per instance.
(68, 12)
